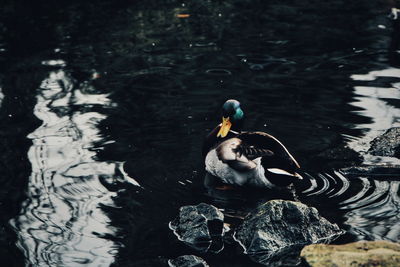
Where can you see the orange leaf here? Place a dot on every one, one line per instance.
(183, 16)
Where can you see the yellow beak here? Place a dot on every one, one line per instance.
(225, 127)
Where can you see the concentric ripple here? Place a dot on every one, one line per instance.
(371, 208)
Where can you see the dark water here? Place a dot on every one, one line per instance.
(96, 99)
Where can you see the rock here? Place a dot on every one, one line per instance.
(363, 253)
(279, 226)
(388, 144)
(187, 261)
(200, 226)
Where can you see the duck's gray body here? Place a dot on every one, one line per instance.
(255, 176)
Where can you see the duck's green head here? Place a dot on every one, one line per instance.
(232, 117)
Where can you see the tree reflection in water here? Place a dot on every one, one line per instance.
(61, 223)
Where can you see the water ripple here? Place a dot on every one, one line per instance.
(61, 222)
(371, 207)
(219, 72)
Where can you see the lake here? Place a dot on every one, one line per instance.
(104, 108)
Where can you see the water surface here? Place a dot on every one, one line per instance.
(104, 108)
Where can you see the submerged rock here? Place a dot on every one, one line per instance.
(187, 261)
(338, 156)
(388, 144)
(363, 253)
(200, 226)
(279, 227)
(377, 172)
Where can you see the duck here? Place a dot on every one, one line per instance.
(247, 158)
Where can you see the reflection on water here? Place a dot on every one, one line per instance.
(373, 100)
(1, 95)
(61, 223)
(371, 207)
(374, 211)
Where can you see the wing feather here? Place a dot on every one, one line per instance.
(281, 158)
(252, 152)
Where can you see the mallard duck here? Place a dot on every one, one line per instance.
(247, 158)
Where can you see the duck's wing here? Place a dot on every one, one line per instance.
(239, 155)
(251, 152)
(281, 159)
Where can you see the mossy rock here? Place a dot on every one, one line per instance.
(363, 253)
